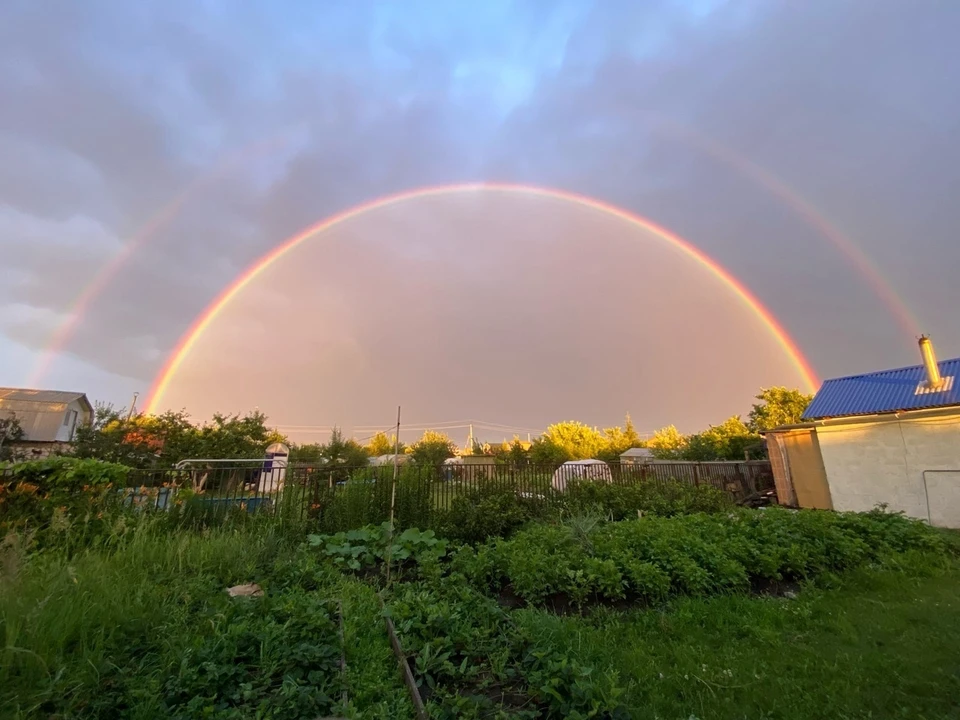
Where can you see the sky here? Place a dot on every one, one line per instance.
(810, 148)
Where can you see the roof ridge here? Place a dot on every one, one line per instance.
(918, 366)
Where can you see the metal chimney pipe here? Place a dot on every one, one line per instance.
(930, 362)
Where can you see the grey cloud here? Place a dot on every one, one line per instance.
(847, 103)
(852, 104)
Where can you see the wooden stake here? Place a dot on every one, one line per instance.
(393, 494)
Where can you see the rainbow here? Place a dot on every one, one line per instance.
(804, 209)
(213, 310)
(64, 332)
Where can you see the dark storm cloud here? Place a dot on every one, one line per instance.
(851, 104)
(110, 111)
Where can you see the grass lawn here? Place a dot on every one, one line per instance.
(143, 628)
(884, 644)
(148, 631)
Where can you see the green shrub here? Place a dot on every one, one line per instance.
(623, 501)
(471, 661)
(654, 558)
(488, 511)
(60, 496)
(369, 546)
(365, 500)
(500, 510)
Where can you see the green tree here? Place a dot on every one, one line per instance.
(147, 441)
(380, 444)
(10, 433)
(545, 453)
(726, 441)
(344, 452)
(668, 443)
(619, 440)
(308, 453)
(233, 436)
(777, 406)
(579, 441)
(432, 449)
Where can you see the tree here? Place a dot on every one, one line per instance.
(667, 443)
(309, 453)
(544, 452)
(726, 441)
(619, 440)
(432, 449)
(146, 441)
(347, 453)
(380, 444)
(10, 432)
(578, 441)
(777, 406)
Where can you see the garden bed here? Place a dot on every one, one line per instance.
(470, 660)
(589, 563)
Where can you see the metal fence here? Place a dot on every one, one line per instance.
(340, 497)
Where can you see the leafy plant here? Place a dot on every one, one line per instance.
(651, 559)
(369, 546)
(472, 661)
(497, 510)
(55, 494)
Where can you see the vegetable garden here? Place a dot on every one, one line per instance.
(645, 600)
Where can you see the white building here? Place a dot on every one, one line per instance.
(886, 438)
(636, 456)
(49, 418)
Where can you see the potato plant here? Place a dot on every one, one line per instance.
(652, 559)
(472, 661)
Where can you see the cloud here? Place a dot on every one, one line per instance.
(209, 136)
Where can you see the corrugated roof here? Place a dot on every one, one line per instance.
(637, 452)
(43, 396)
(41, 412)
(884, 392)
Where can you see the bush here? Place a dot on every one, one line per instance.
(365, 500)
(367, 547)
(623, 501)
(652, 559)
(53, 494)
(486, 512)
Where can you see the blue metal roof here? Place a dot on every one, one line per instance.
(884, 392)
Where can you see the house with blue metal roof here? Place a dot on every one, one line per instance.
(889, 438)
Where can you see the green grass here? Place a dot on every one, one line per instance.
(884, 644)
(140, 626)
(126, 632)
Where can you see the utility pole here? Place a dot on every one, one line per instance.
(133, 405)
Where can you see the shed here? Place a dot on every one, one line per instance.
(636, 456)
(49, 418)
(380, 460)
(884, 438)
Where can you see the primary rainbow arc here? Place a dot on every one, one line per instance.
(204, 320)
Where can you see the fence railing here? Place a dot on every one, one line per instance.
(350, 496)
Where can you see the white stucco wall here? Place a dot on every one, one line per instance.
(892, 462)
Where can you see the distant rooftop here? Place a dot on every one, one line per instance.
(886, 391)
(41, 396)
